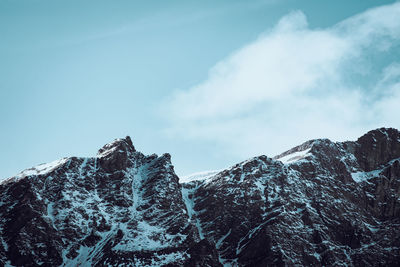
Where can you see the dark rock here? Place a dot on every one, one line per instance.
(377, 147)
(319, 204)
(203, 254)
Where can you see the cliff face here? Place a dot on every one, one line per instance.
(117, 208)
(321, 203)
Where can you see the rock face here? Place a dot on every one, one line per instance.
(118, 208)
(320, 204)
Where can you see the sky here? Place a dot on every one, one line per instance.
(210, 82)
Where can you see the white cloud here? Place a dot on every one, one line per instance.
(387, 105)
(295, 83)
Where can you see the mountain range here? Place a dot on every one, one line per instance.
(321, 203)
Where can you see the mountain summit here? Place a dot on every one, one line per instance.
(321, 203)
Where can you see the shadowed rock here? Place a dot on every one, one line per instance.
(319, 204)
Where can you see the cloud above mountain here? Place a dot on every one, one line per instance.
(294, 83)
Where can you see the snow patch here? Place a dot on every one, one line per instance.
(294, 156)
(198, 176)
(219, 242)
(165, 259)
(373, 229)
(189, 203)
(41, 169)
(359, 177)
(107, 151)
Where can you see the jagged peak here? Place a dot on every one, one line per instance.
(40, 169)
(246, 166)
(167, 157)
(301, 151)
(118, 145)
(379, 134)
(377, 147)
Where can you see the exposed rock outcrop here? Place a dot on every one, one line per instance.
(119, 208)
(319, 204)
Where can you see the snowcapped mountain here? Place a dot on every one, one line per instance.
(321, 203)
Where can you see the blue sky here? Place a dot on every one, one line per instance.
(211, 82)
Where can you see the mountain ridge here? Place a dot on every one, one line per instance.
(326, 203)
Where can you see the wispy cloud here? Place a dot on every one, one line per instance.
(294, 83)
(164, 19)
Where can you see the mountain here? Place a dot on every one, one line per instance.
(320, 204)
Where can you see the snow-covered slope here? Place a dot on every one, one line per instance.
(198, 176)
(118, 208)
(295, 156)
(318, 204)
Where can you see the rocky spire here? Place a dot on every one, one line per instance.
(120, 144)
(115, 155)
(377, 147)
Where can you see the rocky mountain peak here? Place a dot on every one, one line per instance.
(166, 157)
(381, 133)
(306, 147)
(117, 154)
(118, 145)
(299, 152)
(321, 203)
(377, 147)
(116, 209)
